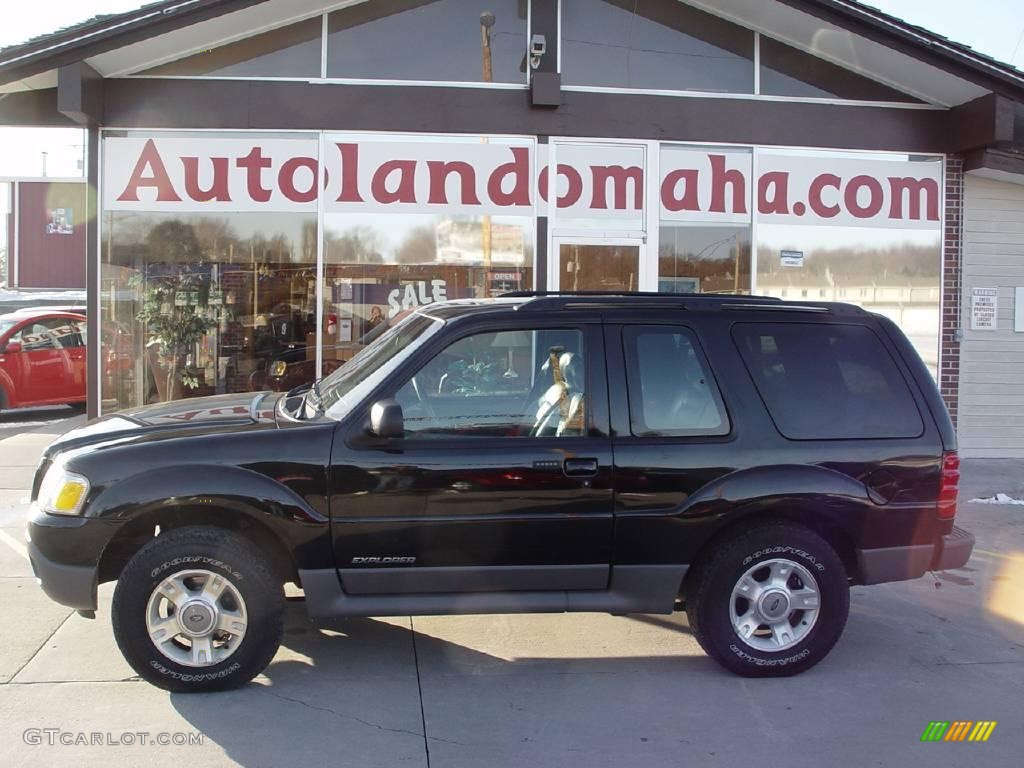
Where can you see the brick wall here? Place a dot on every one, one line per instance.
(949, 362)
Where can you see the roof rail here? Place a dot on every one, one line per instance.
(557, 300)
(640, 294)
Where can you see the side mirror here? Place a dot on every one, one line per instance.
(12, 347)
(386, 419)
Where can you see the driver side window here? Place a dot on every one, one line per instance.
(36, 337)
(510, 383)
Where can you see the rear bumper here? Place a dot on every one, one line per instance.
(911, 562)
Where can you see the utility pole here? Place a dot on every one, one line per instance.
(486, 23)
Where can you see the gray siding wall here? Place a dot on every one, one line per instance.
(991, 415)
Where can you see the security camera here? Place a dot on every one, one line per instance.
(538, 47)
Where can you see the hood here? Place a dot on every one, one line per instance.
(194, 413)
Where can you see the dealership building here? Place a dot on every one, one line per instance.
(275, 179)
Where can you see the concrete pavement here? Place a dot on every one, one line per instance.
(545, 690)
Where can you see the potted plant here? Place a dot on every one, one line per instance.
(174, 296)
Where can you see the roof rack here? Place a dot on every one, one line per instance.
(556, 300)
(559, 300)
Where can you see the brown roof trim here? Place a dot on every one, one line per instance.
(995, 160)
(105, 33)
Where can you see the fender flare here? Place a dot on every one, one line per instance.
(835, 500)
(301, 529)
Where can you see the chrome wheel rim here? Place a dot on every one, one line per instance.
(774, 605)
(196, 618)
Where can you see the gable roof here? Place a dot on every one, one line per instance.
(36, 60)
(106, 32)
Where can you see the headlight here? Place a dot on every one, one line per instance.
(278, 368)
(62, 492)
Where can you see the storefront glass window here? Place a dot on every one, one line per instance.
(292, 51)
(654, 44)
(380, 267)
(201, 303)
(891, 264)
(704, 243)
(788, 71)
(696, 259)
(444, 40)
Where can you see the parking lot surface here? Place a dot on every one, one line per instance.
(535, 690)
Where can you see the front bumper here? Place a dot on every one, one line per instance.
(911, 562)
(65, 554)
(70, 585)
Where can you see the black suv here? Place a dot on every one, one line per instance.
(743, 458)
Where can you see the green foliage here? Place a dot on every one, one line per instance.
(175, 325)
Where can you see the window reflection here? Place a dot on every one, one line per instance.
(433, 40)
(699, 259)
(654, 44)
(380, 267)
(788, 71)
(895, 272)
(197, 305)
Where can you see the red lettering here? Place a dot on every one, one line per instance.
(814, 195)
(405, 192)
(150, 159)
(286, 179)
(440, 170)
(519, 168)
(776, 182)
(618, 175)
(688, 201)
(575, 185)
(349, 173)
(874, 205)
(254, 163)
(720, 177)
(218, 189)
(914, 188)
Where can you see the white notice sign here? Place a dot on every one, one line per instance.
(983, 309)
(791, 258)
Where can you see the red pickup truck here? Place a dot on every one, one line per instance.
(42, 358)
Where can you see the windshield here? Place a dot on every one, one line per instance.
(6, 324)
(350, 383)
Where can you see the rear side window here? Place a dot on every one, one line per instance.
(823, 382)
(671, 392)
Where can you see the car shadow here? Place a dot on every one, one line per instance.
(350, 690)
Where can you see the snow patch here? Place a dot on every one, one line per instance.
(999, 498)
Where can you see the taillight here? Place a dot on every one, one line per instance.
(950, 485)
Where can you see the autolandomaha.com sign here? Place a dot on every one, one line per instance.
(592, 181)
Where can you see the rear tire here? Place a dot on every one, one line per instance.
(198, 609)
(769, 602)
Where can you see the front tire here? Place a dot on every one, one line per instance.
(769, 602)
(198, 609)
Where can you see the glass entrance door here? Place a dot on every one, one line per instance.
(612, 266)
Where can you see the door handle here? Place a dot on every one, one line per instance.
(580, 467)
